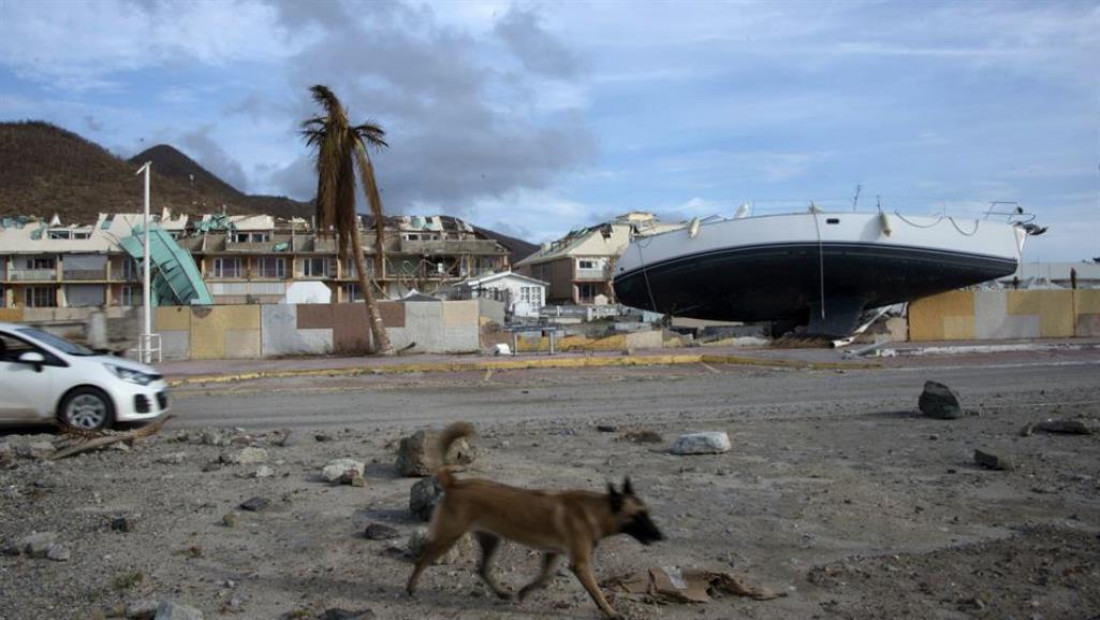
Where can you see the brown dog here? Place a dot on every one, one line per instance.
(555, 522)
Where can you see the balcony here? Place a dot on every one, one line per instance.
(84, 274)
(32, 275)
(598, 274)
(450, 246)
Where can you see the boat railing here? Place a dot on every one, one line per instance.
(1011, 211)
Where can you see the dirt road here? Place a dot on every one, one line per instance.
(836, 492)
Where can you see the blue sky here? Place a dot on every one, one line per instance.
(532, 118)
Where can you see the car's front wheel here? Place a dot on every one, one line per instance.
(86, 408)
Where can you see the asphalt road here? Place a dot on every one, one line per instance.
(694, 393)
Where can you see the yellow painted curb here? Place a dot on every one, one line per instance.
(525, 364)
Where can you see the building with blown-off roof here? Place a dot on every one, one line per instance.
(240, 259)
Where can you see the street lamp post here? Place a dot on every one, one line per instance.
(146, 295)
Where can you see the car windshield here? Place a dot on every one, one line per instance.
(56, 342)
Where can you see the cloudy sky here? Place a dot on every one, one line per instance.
(532, 118)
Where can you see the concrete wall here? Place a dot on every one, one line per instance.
(1005, 314)
(277, 330)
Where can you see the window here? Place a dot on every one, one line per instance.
(317, 267)
(586, 263)
(40, 297)
(12, 348)
(352, 293)
(131, 270)
(251, 237)
(227, 268)
(530, 294)
(585, 293)
(41, 262)
(3, 298)
(130, 296)
(272, 268)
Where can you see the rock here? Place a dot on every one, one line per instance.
(423, 497)
(57, 553)
(229, 519)
(286, 439)
(992, 461)
(246, 456)
(174, 458)
(169, 610)
(644, 436)
(122, 524)
(354, 478)
(1064, 427)
(213, 438)
(343, 614)
(144, 609)
(415, 454)
(255, 504)
(335, 470)
(711, 442)
(939, 402)
(7, 453)
(607, 428)
(377, 531)
(35, 450)
(36, 545)
(463, 548)
(263, 471)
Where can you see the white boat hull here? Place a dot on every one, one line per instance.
(816, 268)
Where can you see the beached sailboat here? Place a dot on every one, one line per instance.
(821, 269)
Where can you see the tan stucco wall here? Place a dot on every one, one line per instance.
(995, 314)
(225, 332)
(947, 316)
(11, 315)
(1086, 313)
(1054, 309)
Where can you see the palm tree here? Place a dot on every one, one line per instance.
(341, 149)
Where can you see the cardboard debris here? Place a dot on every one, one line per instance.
(671, 585)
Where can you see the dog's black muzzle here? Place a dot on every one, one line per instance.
(642, 528)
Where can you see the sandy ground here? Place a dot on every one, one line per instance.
(868, 513)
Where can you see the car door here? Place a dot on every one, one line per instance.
(25, 393)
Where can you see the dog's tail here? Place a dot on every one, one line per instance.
(451, 434)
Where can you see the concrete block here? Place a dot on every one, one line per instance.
(314, 316)
(351, 329)
(175, 345)
(171, 318)
(457, 313)
(461, 339)
(242, 344)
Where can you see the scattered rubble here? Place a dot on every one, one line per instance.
(939, 402)
(416, 454)
(989, 460)
(336, 471)
(643, 437)
(255, 504)
(708, 442)
(378, 531)
(423, 497)
(1058, 427)
(169, 610)
(463, 549)
(669, 584)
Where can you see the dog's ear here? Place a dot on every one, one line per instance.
(628, 489)
(614, 497)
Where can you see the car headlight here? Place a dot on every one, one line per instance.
(133, 376)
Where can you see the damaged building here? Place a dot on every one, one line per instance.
(233, 260)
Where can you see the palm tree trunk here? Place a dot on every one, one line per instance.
(379, 338)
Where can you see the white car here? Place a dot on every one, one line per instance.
(46, 378)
